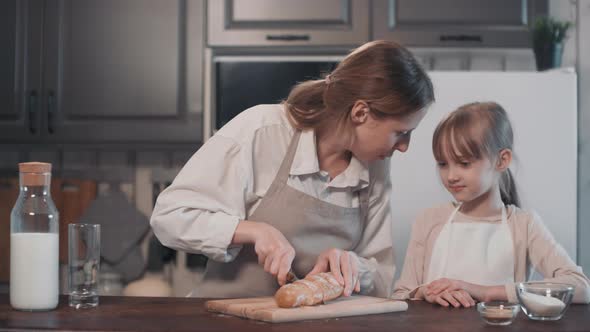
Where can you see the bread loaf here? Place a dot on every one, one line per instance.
(312, 290)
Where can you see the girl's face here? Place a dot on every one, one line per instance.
(375, 138)
(468, 179)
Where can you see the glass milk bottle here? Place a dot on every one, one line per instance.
(34, 241)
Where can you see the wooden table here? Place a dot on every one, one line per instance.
(188, 314)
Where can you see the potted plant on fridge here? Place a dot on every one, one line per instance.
(549, 35)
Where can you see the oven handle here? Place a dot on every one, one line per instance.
(287, 37)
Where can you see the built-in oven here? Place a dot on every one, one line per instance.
(233, 83)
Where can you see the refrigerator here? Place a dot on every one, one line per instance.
(542, 107)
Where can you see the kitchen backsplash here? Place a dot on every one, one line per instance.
(64, 158)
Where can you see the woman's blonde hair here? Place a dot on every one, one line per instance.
(475, 131)
(384, 74)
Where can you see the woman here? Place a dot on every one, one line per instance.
(302, 186)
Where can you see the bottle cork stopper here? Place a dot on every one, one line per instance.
(34, 167)
(34, 173)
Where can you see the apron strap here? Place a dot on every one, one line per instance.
(452, 215)
(283, 173)
(364, 201)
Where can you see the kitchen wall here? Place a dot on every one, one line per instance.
(577, 54)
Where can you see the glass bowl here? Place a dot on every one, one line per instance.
(544, 300)
(498, 312)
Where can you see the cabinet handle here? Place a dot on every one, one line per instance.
(50, 111)
(32, 110)
(287, 37)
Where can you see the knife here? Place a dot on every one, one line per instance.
(291, 277)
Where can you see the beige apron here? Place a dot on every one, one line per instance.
(479, 253)
(308, 223)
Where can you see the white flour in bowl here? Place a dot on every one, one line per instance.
(542, 305)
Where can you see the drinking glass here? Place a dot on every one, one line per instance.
(83, 264)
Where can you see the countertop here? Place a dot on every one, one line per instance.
(188, 314)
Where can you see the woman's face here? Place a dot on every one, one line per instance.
(376, 138)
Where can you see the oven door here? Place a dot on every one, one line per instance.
(240, 82)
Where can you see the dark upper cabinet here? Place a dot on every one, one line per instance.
(457, 23)
(287, 22)
(102, 71)
(20, 70)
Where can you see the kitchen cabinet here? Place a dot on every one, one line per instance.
(287, 22)
(20, 70)
(101, 71)
(457, 23)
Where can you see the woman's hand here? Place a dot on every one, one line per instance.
(274, 252)
(344, 265)
(456, 298)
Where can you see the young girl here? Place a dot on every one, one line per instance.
(303, 185)
(477, 249)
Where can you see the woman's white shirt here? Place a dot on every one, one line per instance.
(226, 178)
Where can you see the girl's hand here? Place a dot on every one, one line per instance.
(274, 252)
(456, 298)
(444, 284)
(477, 292)
(343, 264)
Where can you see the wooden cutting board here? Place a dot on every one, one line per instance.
(265, 308)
